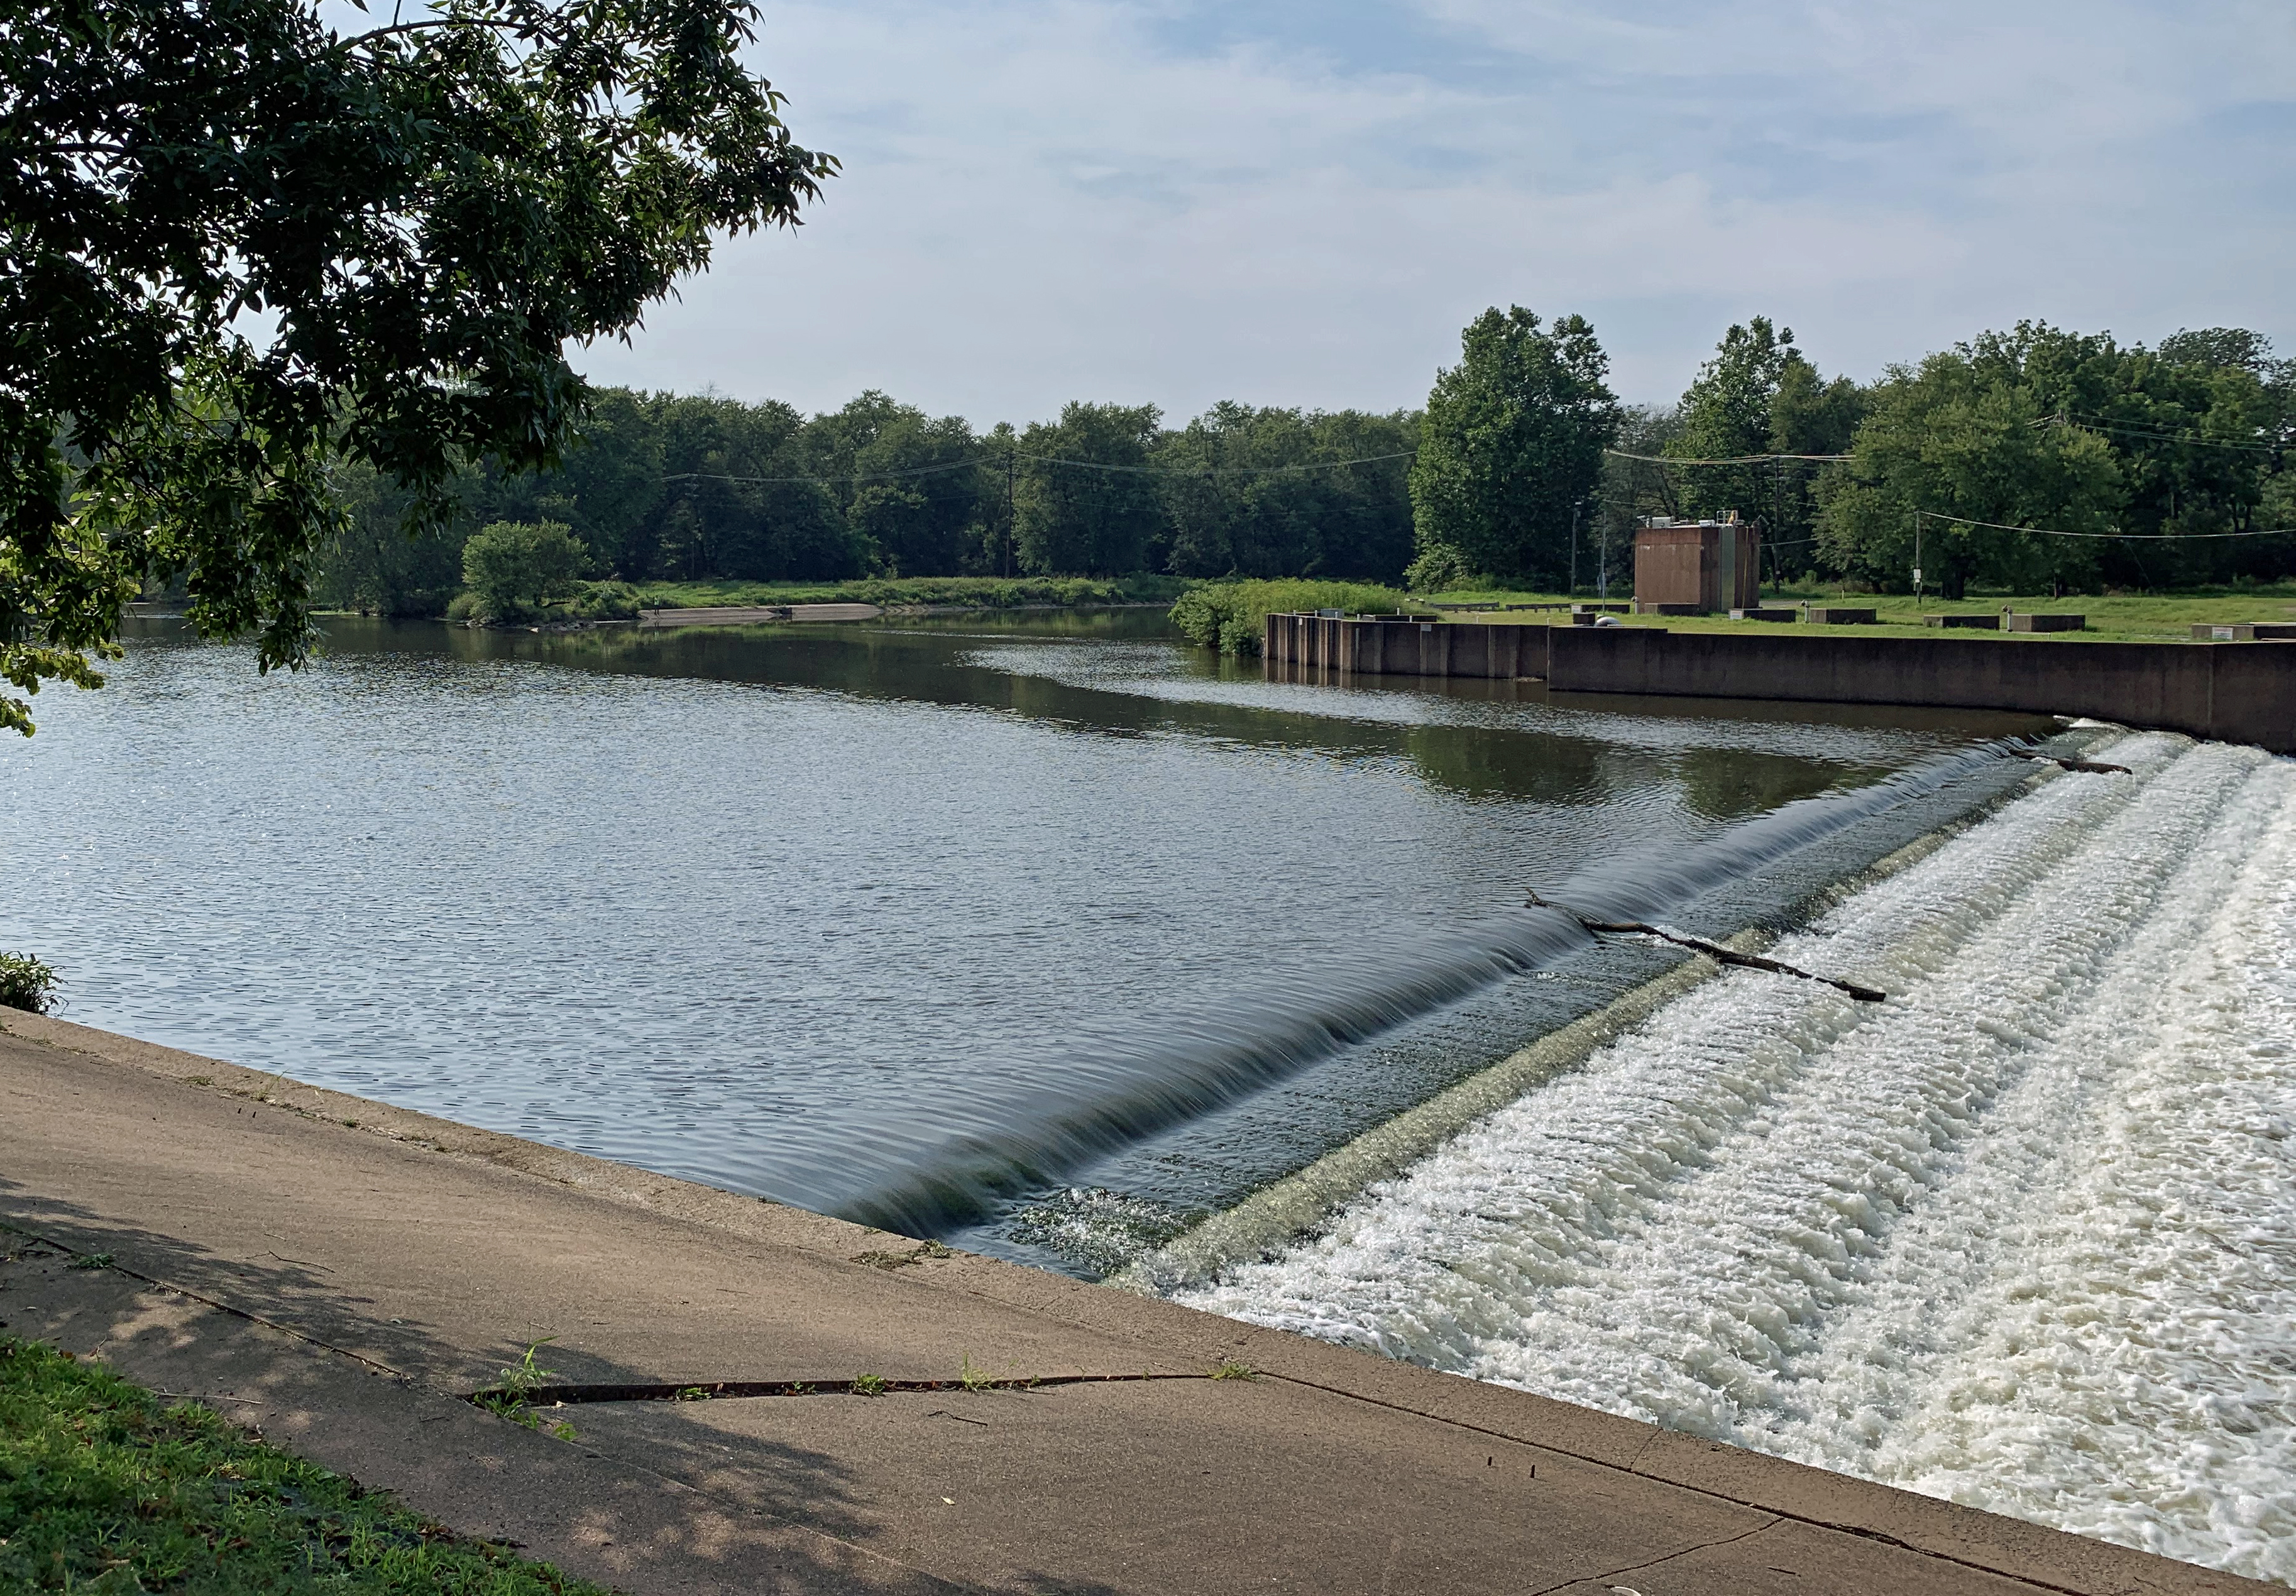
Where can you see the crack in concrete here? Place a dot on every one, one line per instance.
(1653, 1562)
(1840, 1527)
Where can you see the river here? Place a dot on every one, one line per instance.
(1050, 936)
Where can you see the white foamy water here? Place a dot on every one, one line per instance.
(2024, 1237)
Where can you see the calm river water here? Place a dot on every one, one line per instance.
(1046, 933)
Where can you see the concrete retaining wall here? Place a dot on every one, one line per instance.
(2230, 692)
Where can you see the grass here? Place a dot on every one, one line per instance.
(1231, 616)
(105, 1488)
(2112, 617)
(1230, 1368)
(962, 592)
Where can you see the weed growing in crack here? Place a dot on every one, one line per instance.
(973, 1378)
(869, 1384)
(513, 1398)
(1230, 1368)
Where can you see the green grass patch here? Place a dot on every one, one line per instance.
(2112, 617)
(960, 592)
(1233, 616)
(104, 1488)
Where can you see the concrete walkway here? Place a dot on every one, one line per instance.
(340, 1273)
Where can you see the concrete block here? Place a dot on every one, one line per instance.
(1767, 612)
(2043, 623)
(2244, 631)
(1642, 608)
(1834, 615)
(1976, 623)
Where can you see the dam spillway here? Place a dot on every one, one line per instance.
(2019, 1237)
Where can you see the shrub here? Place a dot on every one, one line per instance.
(1233, 616)
(462, 606)
(513, 568)
(605, 601)
(26, 984)
(1439, 567)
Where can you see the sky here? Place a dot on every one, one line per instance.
(1302, 201)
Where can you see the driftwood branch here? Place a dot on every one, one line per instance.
(2086, 766)
(1713, 950)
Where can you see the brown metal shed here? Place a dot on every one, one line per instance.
(1697, 564)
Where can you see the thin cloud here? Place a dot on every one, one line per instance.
(1046, 201)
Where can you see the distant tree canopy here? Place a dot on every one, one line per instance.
(2036, 428)
(2043, 429)
(1510, 452)
(237, 246)
(667, 486)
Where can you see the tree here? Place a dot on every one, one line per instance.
(912, 487)
(1263, 493)
(1633, 489)
(1511, 451)
(366, 562)
(1963, 441)
(1760, 396)
(1072, 518)
(513, 568)
(240, 246)
(1726, 416)
(2040, 428)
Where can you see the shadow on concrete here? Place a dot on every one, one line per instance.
(788, 1518)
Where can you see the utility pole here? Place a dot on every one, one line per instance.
(1574, 545)
(1009, 527)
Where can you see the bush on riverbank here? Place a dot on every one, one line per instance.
(103, 1487)
(515, 570)
(930, 592)
(1233, 616)
(26, 984)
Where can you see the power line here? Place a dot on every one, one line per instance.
(991, 461)
(2096, 423)
(1733, 460)
(873, 476)
(2044, 531)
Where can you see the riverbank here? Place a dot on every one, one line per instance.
(343, 1274)
(918, 593)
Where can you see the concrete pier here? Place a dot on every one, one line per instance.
(2233, 692)
(758, 614)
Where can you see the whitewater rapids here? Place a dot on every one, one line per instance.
(2024, 1237)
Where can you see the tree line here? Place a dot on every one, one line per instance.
(664, 487)
(2020, 460)
(1525, 469)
